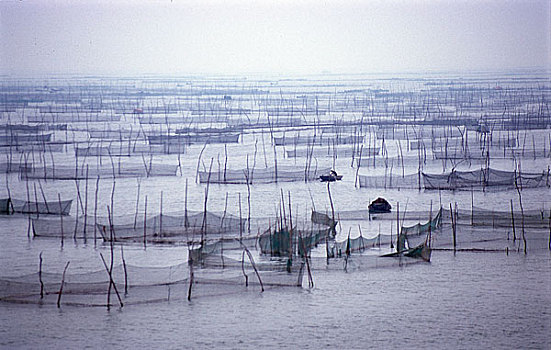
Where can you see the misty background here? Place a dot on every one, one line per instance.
(283, 37)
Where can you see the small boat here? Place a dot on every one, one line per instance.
(379, 205)
(333, 176)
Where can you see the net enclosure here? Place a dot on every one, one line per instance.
(478, 179)
(262, 175)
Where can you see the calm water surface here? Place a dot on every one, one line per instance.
(469, 300)
(463, 301)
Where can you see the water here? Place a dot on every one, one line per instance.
(470, 300)
(464, 301)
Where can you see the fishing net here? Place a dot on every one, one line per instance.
(465, 144)
(420, 228)
(187, 139)
(106, 171)
(72, 118)
(128, 149)
(286, 243)
(479, 179)
(534, 218)
(330, 151)
(318, 140)
(178, 228)
(392, 180)
(418, 132)
(262, 175)
(44, 207)
(139, 284)
(482, 178)
(13, 167)
(19, 138)
(33, 147)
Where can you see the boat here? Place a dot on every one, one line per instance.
(331, 177)
(379, 205)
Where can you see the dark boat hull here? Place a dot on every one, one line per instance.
(330, 178)
(379, 208)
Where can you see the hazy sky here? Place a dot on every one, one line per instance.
(215, 36)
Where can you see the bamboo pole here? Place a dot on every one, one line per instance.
(247, 175)
(549, 245)
(86, 204)
(40, 277)
(513, 222)
(137, 203)
(522, 215)
(199, 163)
(125, 271)
(358, 165)
(96, 211)
(251, 259)
(76, 216)
(452, 215)
(204, 223)
(111, 283)
(61, 218)
(191, 276)
(145, 224)
(61, 287)
(333, 219)
(36, 202)
(161, 216)
(397, 229)
(44, 198)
